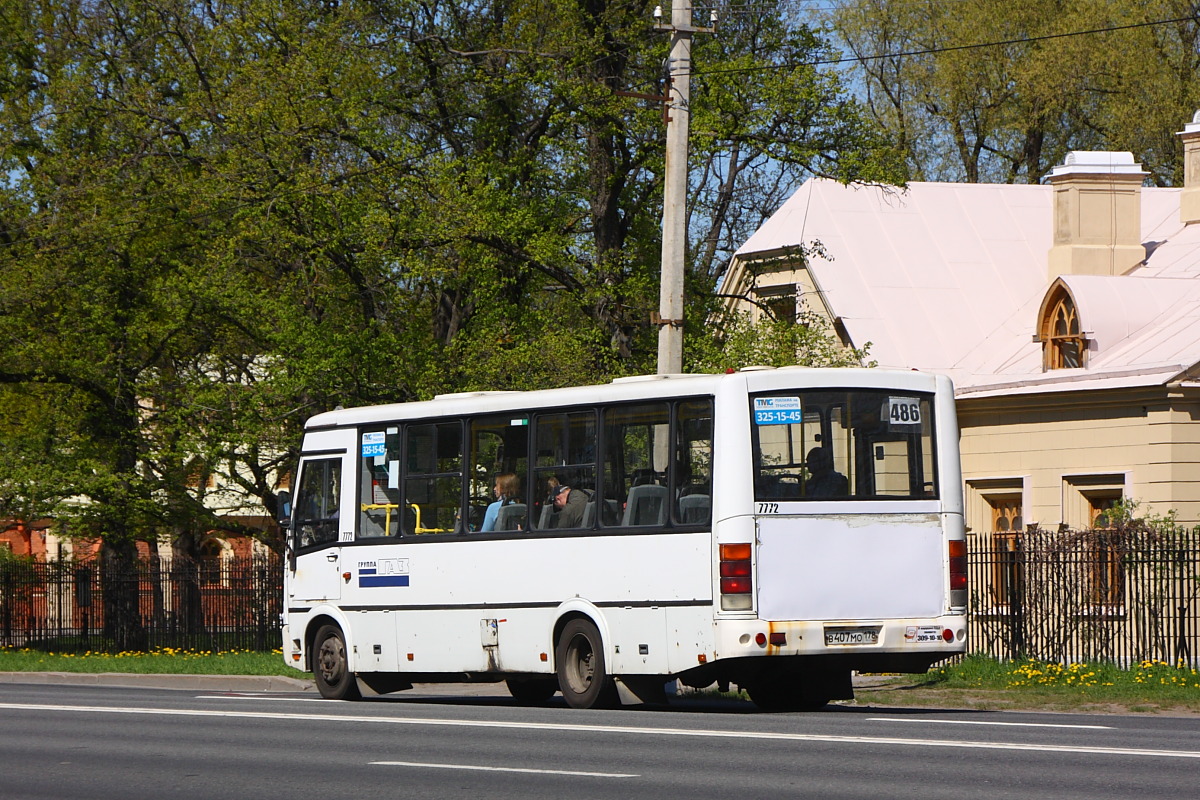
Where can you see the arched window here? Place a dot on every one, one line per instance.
(212, 557)
(1063, 343)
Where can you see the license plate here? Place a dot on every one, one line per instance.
(840, 636)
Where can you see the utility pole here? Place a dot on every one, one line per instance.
(674, 238)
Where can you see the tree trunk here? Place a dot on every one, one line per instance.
(119, 583)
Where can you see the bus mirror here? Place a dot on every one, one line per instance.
(284, 498)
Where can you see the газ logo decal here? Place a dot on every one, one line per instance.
(383, 572)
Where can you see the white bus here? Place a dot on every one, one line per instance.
(772, 528)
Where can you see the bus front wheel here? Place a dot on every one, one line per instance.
(331, 669)
(582, 675)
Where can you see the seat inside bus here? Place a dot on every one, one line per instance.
(647, 505)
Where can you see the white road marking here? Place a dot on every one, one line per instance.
(989, 722)
(621, 729)
(263, 697)
(502, 769)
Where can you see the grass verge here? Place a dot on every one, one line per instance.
(979, 682)
(163, 661)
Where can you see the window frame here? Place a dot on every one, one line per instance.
(858, 456)
(1061, 306)
(534, 503)
(330, 461)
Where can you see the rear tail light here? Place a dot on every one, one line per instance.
(958, 573)
(737, 585)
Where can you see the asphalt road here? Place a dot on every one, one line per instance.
(98, 742)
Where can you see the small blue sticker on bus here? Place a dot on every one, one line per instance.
(374, 444)
(777, 410)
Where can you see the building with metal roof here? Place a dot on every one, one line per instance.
(1067, 314)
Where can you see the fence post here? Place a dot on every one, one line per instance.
(83, 601)
(1017, 587)
(1180, 561)
(7, 601)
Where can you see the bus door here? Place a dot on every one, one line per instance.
(316, 530)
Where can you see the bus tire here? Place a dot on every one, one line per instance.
(582, 674)
(532, 691)
(331, 668)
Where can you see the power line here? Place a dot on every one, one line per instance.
(949, 49)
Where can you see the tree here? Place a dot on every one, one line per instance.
(766, 118)
(768, 342)
(984, 91)
(217, 219)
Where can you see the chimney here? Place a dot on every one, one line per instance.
(1189, 199)
(1097, 214)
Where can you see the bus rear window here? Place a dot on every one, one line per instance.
(839, 444)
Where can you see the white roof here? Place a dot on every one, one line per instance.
(949, 277)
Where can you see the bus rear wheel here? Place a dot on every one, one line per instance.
(532, 690)
(582, 674)
(331, 669)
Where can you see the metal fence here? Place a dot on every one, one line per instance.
(1121, 595)
(202, 604)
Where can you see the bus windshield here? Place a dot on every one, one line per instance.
(843, 444)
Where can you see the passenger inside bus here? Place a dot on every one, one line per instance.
(507, 490)
(570, 504)
(823, 479)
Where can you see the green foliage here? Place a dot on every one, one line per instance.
(745, 342)
(1144, 679)
(1090, 75)
(162, 661)
(1124, 516)
(219, 219)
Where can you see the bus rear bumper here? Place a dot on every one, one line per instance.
(907, 645)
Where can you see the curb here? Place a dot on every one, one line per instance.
(269, 683)
(205, 683)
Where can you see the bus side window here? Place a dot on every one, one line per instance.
(499, 446)
(565, 444)
(636, 451)
(433, 485)
(316, 506)
(379, 494)
(693, 462)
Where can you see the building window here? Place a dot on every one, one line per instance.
(1106, 572)
(1006, 547)
(1008, 569)
(199, 477)
(1089, 502)
(995, 504)
(1100, 505)
(1087, 499)
(995, 508)
(778, 302)
(1006, 512)
(1063, 343)
(212, 554)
